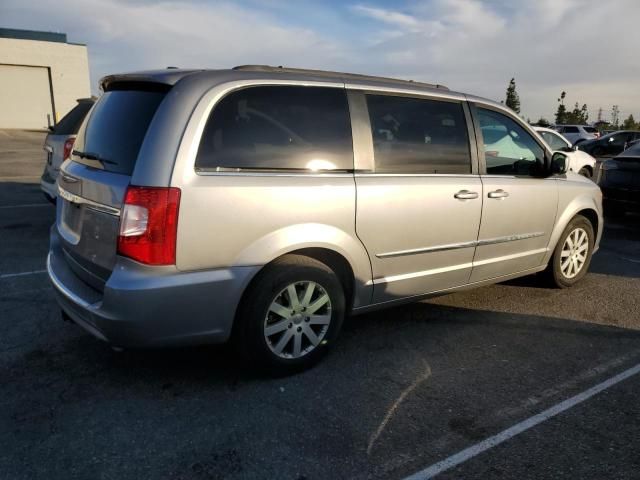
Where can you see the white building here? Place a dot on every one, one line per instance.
(41, 76)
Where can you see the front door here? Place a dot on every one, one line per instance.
(418, 211)
(519, 205)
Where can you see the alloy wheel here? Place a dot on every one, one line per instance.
(297, 320)
(574, 252)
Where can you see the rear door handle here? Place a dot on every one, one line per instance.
(466, 195)
(498, 194)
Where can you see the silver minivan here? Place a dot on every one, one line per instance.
(262, 205)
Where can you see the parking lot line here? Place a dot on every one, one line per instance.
(27, 205)
(21, 274)
(472, 451)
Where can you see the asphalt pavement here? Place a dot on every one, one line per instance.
(403, 389)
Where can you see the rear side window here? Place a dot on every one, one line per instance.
(570, 130)
(278, 128)
(590, 129)
(412, 135)
(112, 136)
(70, 123)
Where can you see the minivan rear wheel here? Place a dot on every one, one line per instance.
(572, 255)
(290, 315)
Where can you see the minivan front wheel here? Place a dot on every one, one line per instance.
(290, 315)
(572, 255)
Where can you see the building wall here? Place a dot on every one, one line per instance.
(68, 71)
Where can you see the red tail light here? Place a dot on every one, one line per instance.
(68, 146)
(149, 225)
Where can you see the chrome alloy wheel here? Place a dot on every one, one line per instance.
(574, 252)
(298, 319)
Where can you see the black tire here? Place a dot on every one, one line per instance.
(585, 172)
(249, 328)
(554, 273)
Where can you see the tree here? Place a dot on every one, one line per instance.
(513, 99)
(543, 122)
(561, 113)
(599, 114)
(584, 114)
(615, 116)
(630, 123)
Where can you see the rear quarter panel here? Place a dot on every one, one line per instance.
(232, 219)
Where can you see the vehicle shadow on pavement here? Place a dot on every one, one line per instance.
(397, 381)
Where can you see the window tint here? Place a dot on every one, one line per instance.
(70, 123)
(570, 130)
(590, 129)
(413, 135)
(273, 128)
(553, 140)
(116, 128)
(508, 148)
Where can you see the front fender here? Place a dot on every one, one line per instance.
(569, 206)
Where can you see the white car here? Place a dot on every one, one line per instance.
(579, 161)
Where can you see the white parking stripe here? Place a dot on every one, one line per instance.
(472, 451)
(21, 274)
(28, 205)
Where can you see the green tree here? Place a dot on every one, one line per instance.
(561, 113)
(630, 123)
(513, 99)
(615, 116)
(543, 122)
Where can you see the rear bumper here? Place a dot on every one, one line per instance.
(48, 184)
(145, 306)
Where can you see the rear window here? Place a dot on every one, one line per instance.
(590, 129)
(70, 123)
(278, 128)
(569, 129)
(112, 136)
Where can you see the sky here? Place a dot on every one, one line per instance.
(587, 48)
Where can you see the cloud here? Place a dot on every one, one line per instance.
(585, 47)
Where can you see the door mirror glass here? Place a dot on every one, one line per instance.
(559, 163)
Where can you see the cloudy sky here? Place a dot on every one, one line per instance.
(589, 48)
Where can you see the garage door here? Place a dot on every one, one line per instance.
(25, 97)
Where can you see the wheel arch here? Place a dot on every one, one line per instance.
(341, 251)
(581, 206)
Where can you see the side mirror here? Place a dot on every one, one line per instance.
(568, 149)
(559, 163)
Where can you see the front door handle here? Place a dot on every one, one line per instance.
(466, 195)
(498, 194)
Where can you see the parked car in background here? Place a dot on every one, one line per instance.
(579, 162)
(59, 143)
(619, 180)
(609, 145)
(577, 133)
(206, 206)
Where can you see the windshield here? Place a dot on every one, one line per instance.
(632, 151)
(112, 136)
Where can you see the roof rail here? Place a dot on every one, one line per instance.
(325, 73)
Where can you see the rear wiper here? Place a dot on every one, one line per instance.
(93, 156)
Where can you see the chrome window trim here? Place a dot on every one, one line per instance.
(456, 246)
(438, 175)
(274, 174)
(99, 207)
